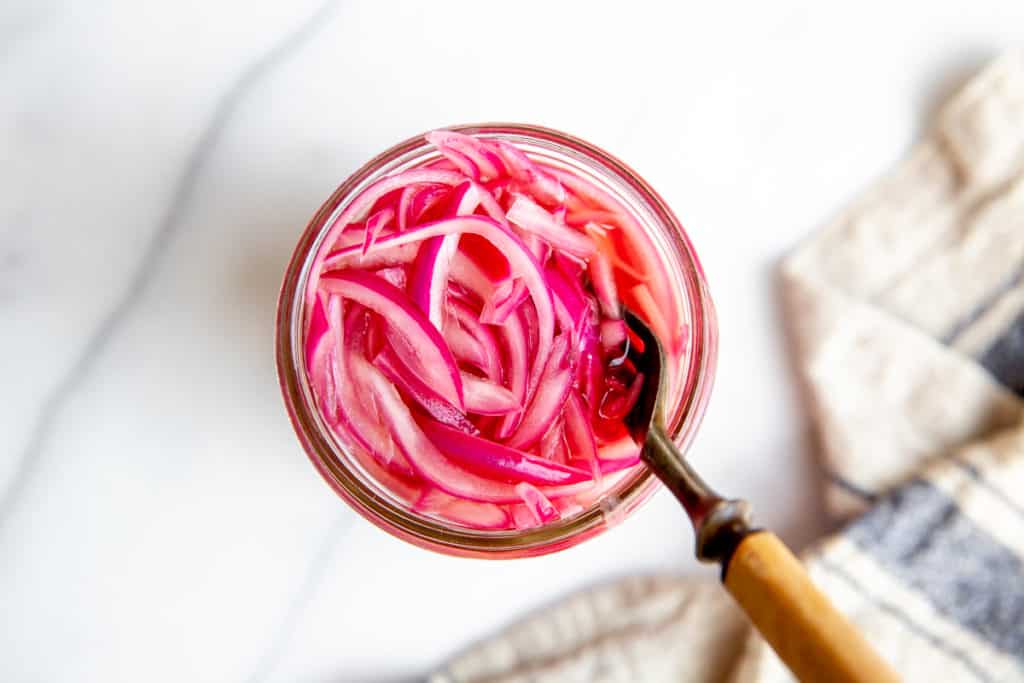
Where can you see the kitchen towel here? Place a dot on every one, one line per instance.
(907, 314)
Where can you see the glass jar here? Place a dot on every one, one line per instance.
(691, 387)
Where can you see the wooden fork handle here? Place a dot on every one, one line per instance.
(811, 637)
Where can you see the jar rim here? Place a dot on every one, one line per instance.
(435, 534)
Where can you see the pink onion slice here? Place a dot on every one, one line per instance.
(466, 152)
(378, 258)
(395, 275)
(496, 461)
(594, 196)
(374, 224)
(517, 370)
(523, 518)
(428, 283)
(317, 329)
(531, 217)
(603, 278)
(537, 503)
(622, 448)
(567, 507)
(483, 338)
(470, 274)
(423, 202)
(484, 397)
(468, 513)
(405, 204)
(319, 359)
(540, 182)
(507, 298)
(487, 162)
(464, 163)
(422, 347)
(552, 444)
(528, 314)
(579, 434)
(465, 347)
(421, 453)
(590, 371)
(365, 200)
(355, 415)
(540, 249)
(500, 297)
(548, 401)
(491, 206)
(571, 308)
(612, 466)
(604, 245)
(466, 199)
(409, 382)
(430, 270)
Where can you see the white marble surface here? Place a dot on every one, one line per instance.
(158, 520)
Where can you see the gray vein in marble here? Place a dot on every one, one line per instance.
(267, 663)
(58, 397)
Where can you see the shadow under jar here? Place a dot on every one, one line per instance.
(679, 285)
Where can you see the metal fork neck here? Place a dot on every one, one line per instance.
(719, 523)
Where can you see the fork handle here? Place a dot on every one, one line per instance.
(808, 633)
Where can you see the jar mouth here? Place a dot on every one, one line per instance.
(692, 392)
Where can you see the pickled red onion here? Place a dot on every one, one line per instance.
(464, 331)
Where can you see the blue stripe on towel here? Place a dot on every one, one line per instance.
(919, 535)
(1005, 357)
(894, 611)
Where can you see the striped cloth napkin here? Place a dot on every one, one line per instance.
(908, 314)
